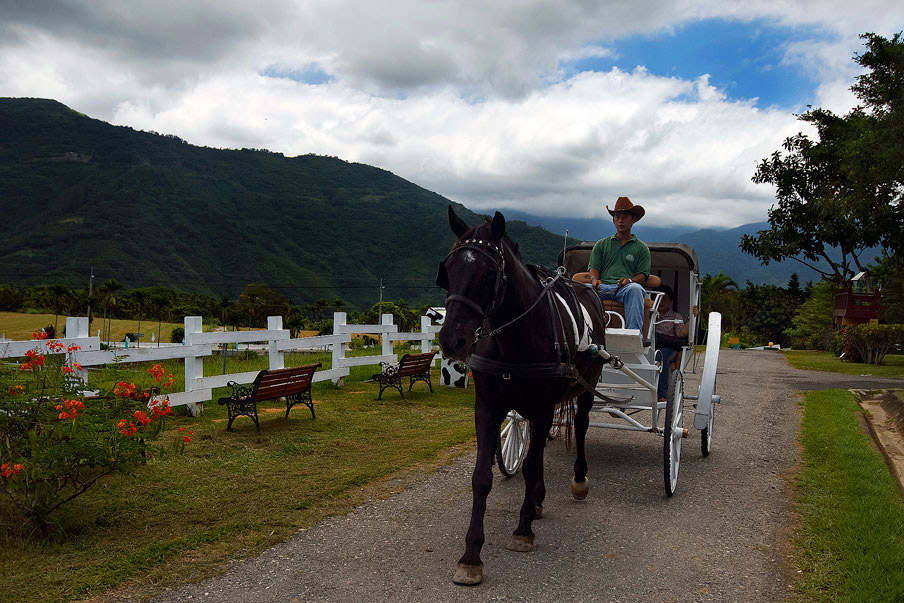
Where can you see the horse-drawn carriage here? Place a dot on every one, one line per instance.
(629, 384)
(538, 342)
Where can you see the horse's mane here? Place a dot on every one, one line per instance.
(506, 239)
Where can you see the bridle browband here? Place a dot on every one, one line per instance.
(495, 254)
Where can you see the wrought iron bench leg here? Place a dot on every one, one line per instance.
(302, 398)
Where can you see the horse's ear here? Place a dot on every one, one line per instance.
(498, 227)
(457, 224)
(442, 279)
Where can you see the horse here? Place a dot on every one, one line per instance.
(521, 328)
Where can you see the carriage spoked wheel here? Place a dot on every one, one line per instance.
(673, 432)
(514, 438)
(706, 398)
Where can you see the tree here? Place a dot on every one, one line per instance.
(108, 294)
(841, 193)
(767, 311)
(813, 318)
(719, 293)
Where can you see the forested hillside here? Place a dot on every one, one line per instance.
(150, 209)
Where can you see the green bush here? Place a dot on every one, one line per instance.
(178, 335)
(873, 342)
(56, 444)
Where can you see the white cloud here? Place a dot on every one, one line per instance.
(465, 98)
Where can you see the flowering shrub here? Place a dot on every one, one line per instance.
(55, 443)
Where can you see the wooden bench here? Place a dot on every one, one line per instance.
(293, 384)
(414, 366)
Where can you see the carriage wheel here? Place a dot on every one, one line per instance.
(704, 413)
(673, 432)
(514, 438)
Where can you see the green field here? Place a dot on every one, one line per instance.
(18, 326)
(849, 545)
(180, 518)
(892, 365)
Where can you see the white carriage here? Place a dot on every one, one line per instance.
(630, 377)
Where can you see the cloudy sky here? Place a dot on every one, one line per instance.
(552, 108)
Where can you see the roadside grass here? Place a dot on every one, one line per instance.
(850, 541)
(19, 326)
(892, 365)
(181, 517)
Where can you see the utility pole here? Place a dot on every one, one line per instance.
(380, 314)
(90, 288)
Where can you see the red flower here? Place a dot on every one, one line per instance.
(39, 360)
(16, 389)
(157, 371)
(187, 439)
(67, 369)
(64, 415)
(77, 366)
(25, 366)
(18, 467)
(73, 347)
(5, 471)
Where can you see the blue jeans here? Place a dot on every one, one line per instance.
(662, 388)
(631, 297)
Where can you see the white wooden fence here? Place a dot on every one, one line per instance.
(198, 344)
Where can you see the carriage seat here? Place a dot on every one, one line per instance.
(653, 281)
(613, 306)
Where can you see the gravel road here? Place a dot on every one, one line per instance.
(722, 537)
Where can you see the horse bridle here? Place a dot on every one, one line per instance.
(495, 254)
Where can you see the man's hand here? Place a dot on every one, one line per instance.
(623, 281)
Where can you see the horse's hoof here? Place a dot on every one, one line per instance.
(579, 490)
(538, 512)
(521, 544)
(468, 574)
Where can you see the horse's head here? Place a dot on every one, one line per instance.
(474, 275)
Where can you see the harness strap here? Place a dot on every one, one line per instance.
(523, 370)
(464, 300)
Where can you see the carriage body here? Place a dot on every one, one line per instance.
(676, 266)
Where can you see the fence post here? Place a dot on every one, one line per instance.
(194, 365)
(427, 338)
(77, 328)
(277, 358)
(386, 319)
(339, 327)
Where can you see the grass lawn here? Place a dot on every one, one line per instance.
(850, 542)
(892, 365)
(181, 517)
(18, 326)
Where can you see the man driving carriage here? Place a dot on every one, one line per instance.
(620, 264)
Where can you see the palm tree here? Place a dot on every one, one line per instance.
(160, 304)
(108, 293)
(719, 293)
(141, 299)
(59, 294)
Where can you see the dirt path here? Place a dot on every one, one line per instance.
(722, 537)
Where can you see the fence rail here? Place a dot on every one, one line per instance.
(198, 344)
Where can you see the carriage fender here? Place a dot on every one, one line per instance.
(582, 339)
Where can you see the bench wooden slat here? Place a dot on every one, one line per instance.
(293, 384)
(414, 366)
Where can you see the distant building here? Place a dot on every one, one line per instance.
(858, 302)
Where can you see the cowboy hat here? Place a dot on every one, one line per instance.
(624, 204)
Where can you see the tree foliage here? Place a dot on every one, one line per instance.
(841, 192)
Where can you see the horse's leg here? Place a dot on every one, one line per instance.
(488, 422)
(534, 488)
(580, 485)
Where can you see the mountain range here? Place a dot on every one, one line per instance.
(79, 195)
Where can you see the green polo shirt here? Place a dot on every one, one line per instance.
(615, 261)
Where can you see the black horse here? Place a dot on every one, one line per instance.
(520, 328)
